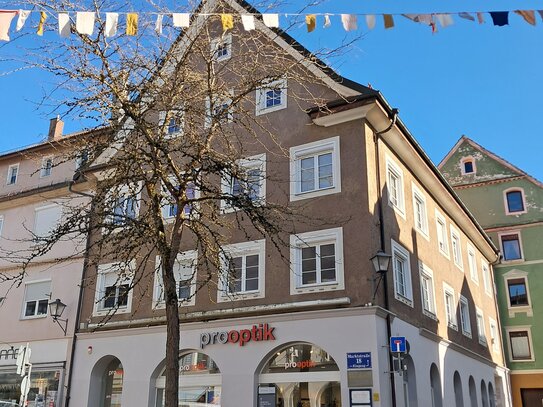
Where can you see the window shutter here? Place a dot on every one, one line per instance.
(46, 220)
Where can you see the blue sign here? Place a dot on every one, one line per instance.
(398, 344)
(359, 360)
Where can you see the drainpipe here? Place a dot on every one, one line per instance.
(376, 137)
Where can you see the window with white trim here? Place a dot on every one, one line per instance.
(221, 48)
(242, 273)
(442, 240)
(456, 248)
(472, 264)
(219, 110)
(481, 333)
(250, 183)
(520, 345)
(517, 290)
(515, 202)
(487, 281)
(113, 288)
(184, 271)
(494, 336)
(317, 258)
(124, 201)
(46, 219)
(13, 173)
(169, 207)
(271, 96)
(465, 321)
(1, 224)
(419, 209)
(511, 247)
(402, 274)
(467, 165)
(46, 167)
(427, 291)
(450, 306)
(315, 169)
(81, 159)
(174, 127)
(36, 300)
(395, 185)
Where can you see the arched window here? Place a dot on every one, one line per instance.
(435, 387)
(300, 374)
(484, 394)
(472, 392)
(409, 383)
(199, 382)
(514, 201)
(106, 386)
(467, 165)
(458, 394)
(491, 395)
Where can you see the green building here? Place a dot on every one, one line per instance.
(508, 203)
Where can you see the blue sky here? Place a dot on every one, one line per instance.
(479, 80)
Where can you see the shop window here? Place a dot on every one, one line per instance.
(184, 271)
(514, 202)
(199, 381)
(511, 248)
(44, 388)
(290, 375)
(36, 302)
(520, 345)
(248, 184)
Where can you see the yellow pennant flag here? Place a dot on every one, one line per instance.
(227, 21)
(43, 17)
(131, 24)
(528, 15)
(311, 22)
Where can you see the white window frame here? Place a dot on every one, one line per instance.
(124, 191)
(99, 298)
(506, 204)
(260, 101)
(46, 297)
(508, 337)
(250, 163)
(472, 263)
(465, 322)
(508, 233)
(176, 114)
(41, 209)
(399, 252)
(81, 158)
(394, 170)
(468, 159)
(320, 237)
(494, 334)
(257, 247)
(450, 307)
(185, 258)
(10, 168)
(1, 224)
(45, 169)
(225, 39)
(481, 329)
(218, 100)
(167, 205)
(420, 198)
(512, 310)
(487, 277)
(442, 238)
(425, 273)
(297, 153)
(456, 254)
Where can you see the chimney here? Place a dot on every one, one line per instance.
(55, 129)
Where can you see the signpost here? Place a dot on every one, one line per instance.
(23, 361)
(398, 344)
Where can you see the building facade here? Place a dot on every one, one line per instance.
(34, 184)
(507, 203)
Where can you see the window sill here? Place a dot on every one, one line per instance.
(317, 288)
(430, 315)
(182, 304)
(32, 317)
(403, 299)
(521, 310)
(110, 311)
(467, 334)
(452, 326)
(249, 295)
(315, 193)
(266, 110)
(512, 261)
(483, 342)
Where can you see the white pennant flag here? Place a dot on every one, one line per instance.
(181, 19)
(84, 22)
(248, 22)
(23, 15)
(370, 21)
(271, 20)
(64, 25)
(349, 22)
(5, 22)
(327, 22)
(444, 19)
(112, 20)
(158, 24)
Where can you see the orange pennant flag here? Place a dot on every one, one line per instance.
(389, 21)
(528, 15)
(311, 22)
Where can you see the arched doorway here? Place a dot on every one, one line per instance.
(199, 381)
(472, 392)
(106, 386)
(300, 375)
(484, 394)
(458, 393)
(409, 383)
(435, 387)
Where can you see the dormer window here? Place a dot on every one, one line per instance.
(221, 48)
(514, 201)
(468, 166)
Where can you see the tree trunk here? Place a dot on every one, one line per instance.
(171, 391)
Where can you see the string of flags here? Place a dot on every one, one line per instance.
(85, 20)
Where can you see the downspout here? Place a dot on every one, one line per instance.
(382, 243)
(80, 299)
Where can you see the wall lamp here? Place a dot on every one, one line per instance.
(56, 308)
(381, 262)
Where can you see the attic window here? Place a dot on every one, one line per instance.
(468, 166)
(221, 48)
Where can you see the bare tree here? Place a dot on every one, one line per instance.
(173, 166)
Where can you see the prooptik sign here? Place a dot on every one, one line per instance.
(260, 332)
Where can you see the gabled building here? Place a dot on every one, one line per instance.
(34, 187)
(508, 203)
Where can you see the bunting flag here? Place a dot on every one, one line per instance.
(64, 29)
(500, 18)
(271, 20)
(84, 22)
(466, 16)
(445, 20)
(540, 13)
(311, 22)
(23, 15)
(528, 15)
(248, 22)
(327, 22)
(5, 22)
(181, 20)
(158, 24)
(227, 21)
(480, 18)
(350, 22)
(388, 21)
(132, 24)
(43, 17)
(370, 21)
(112, 20)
